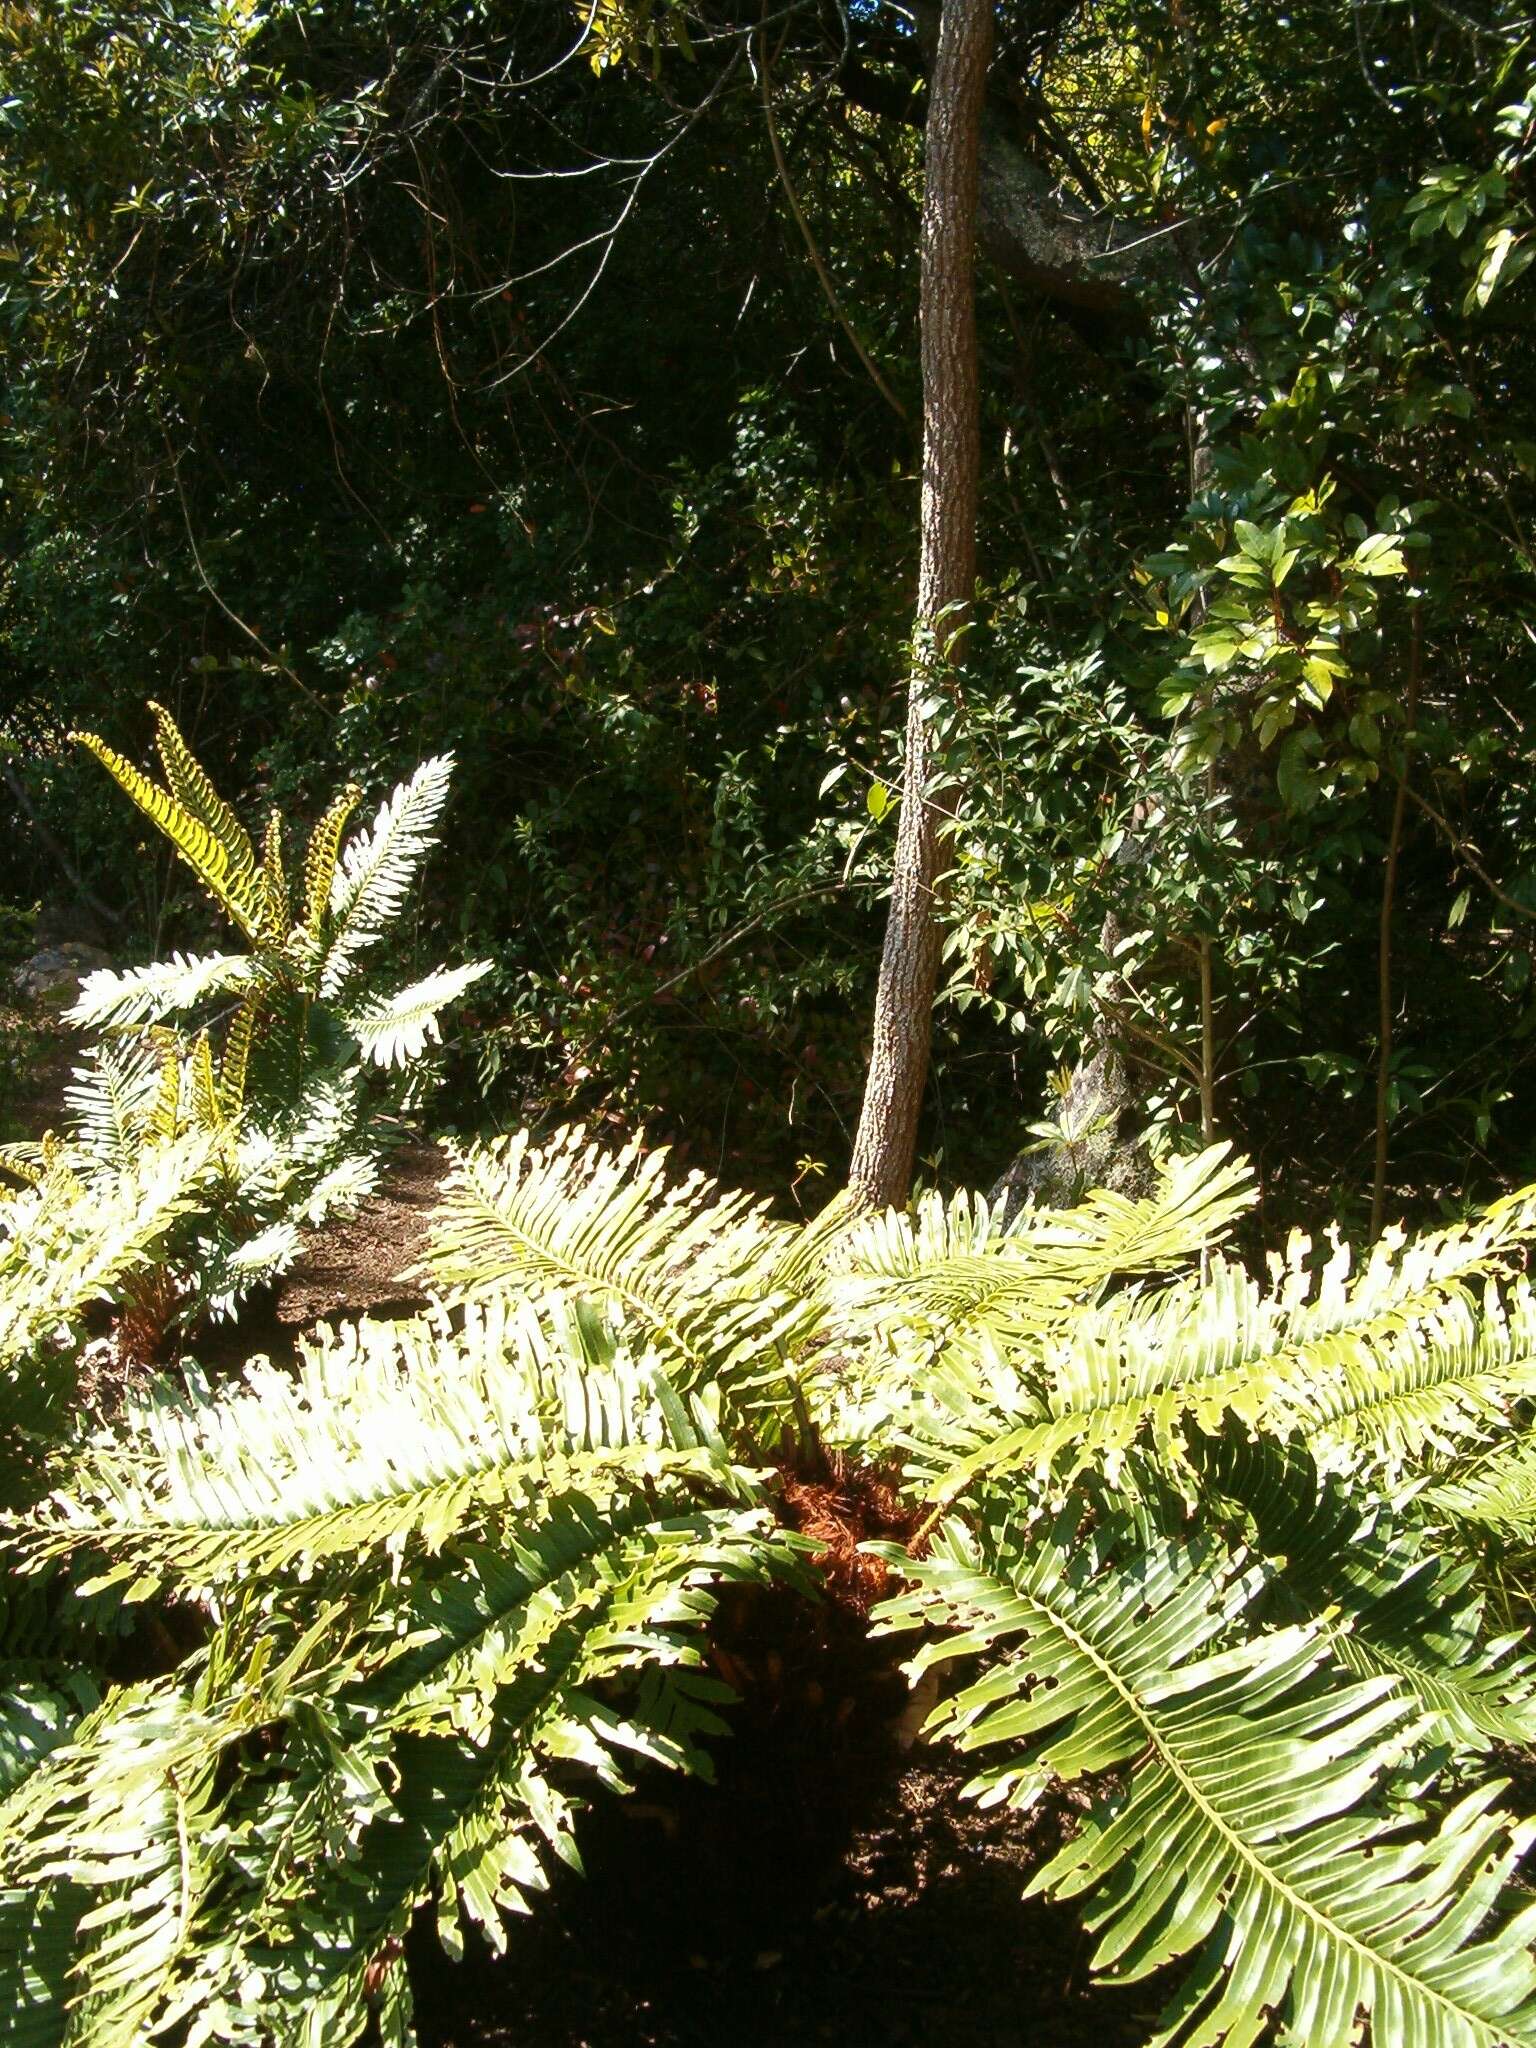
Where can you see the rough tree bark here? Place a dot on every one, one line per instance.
(881, 1169)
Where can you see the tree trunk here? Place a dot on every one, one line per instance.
(881, 1170)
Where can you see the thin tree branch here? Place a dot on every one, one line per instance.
(823, 278)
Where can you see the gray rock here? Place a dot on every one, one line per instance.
(54, 975)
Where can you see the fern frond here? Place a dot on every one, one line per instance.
(369, 887)
(388, 1432)
(953, 1266)
(1412, 1358)
(1390, 1605)
(394, 1031)
(235, 1066)
(1243, 1835)
(322, 856)
(1495, 1491)
(165, 988)
(109, 1855)
(225, 870)
(59, 1253)
(687, 1268)
(112, 1098)
(191, 788)
(274, 885)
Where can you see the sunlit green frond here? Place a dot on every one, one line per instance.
(369, 887)
(387, 1432)
(1243, 1833)
(1496, 1490)
(687, 1268)
(440, 1759)
(60, 1253)
(322, 856)
(109, 1854)
(395, 1030)
(1412, 1357)
(165, 988)
(230, 878)
(953, 1266)
(235, 1065)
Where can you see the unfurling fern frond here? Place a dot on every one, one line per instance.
(1248, 1832)
(689, 1270)
(274, 885)
(368, 889)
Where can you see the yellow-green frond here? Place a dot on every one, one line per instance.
(231, 882)
(274, 883)
(191, 788)
(324, 852)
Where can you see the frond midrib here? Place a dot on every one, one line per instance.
(1329, 1929)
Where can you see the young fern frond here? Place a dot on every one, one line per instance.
(1244, 1835)
(378, 868)
(275, 912)
(189, 784)
(320, 860)
(235, 1066)
(689, 1269)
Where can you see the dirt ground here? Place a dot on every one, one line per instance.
(830, 1887)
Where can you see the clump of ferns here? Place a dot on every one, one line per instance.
(1190, 1542)
(287, 1062)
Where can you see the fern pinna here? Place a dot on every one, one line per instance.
(1216, 1546)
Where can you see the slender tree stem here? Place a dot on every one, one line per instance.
(880, 1172)
(1384, 945)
